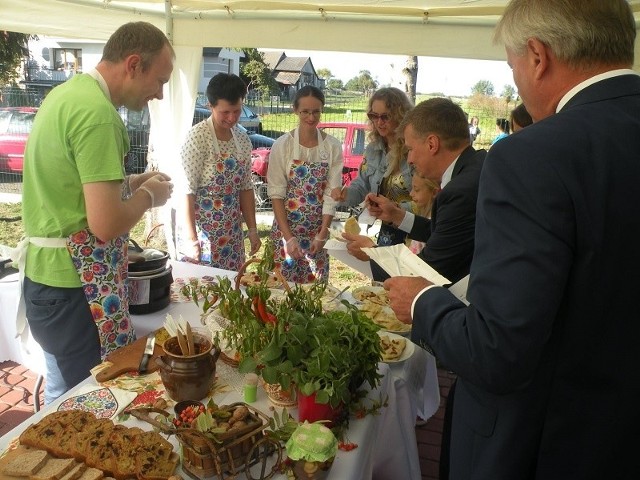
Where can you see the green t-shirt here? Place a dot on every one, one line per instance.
(77, 137)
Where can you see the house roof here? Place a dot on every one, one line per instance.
(287, 78)
(272, 58)
(292, 64)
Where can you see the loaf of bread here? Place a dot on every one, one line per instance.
(103, 448)
(26, 464)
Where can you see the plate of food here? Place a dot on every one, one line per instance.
(369, 293)
(385, 317)
(252, 278)
(395, 348)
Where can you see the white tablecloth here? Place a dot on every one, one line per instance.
(387, 444)
(30, 354)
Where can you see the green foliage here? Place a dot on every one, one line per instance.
(508, 93)
(324, 73)
(483, 87)
(330, 353)
(13, 50)
(256, 72)
(362, 83)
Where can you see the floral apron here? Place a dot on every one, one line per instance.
(305, 189)
(102, 267)
(217, 210)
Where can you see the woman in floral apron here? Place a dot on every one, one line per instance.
(304, 165)
(216, 159)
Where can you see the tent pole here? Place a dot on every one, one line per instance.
(169, 20)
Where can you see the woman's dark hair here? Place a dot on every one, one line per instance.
(520, 116)
(308, 91)
(503, 123)
(226, 86)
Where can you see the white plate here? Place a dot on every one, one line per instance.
(374, 294)
(408, 349)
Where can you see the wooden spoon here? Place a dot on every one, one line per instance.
(184, 347)
(190, 345)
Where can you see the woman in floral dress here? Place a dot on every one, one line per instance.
(304, 165)
(216, 160)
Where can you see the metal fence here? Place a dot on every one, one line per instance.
(274, 115)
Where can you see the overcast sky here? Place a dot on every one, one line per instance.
(450, 76)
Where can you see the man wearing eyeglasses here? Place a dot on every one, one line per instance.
(436, 136)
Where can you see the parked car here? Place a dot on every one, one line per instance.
(353, 138)
(15, 126)
(248, 118)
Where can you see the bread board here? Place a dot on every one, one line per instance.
(127, 359)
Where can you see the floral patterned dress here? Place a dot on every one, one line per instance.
(303, 204)
(222, 175)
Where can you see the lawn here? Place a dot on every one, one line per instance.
(340, 275)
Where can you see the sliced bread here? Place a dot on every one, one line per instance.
(159, 470)
(75, 472)
(26, 463)
(54, 469)
(91, 474)
(123, 446)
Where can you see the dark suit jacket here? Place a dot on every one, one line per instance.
(450, 232)
(548, 353)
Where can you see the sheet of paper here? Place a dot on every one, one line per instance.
(398, 260)
(338, 250)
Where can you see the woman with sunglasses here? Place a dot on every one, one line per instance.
(384, 169)
(304, 166)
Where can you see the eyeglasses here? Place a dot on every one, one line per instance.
(384, 118)
(309, 113)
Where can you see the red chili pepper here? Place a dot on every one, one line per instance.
(264, 315)
(347, 446)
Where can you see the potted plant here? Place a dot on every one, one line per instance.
(292, 341)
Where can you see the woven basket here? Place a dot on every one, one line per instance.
(229, 453)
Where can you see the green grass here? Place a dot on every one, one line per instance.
(340, 275)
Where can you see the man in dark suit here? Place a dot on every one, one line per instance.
(547, 352)
(436, 129)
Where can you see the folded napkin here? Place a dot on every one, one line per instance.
(338, 250)
(398, 260)
(103, 402)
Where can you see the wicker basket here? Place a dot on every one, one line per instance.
(230, 452)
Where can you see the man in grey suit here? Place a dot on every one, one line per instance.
(547, 351)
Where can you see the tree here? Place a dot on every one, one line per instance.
(13, 49)
(364, 82)
(256, 72)
(410, 72)
(483, 87)
(508, 93)
(325, 74)
(335, 84)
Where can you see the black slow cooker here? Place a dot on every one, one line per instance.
(150, 279)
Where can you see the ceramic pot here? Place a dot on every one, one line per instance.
(311, 411)
(188, 377)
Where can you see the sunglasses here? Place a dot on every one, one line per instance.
(374, 116)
